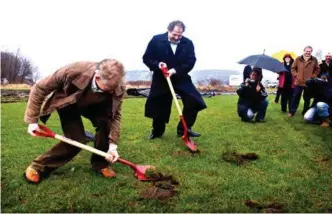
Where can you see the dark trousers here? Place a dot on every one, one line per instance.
(297, 93)
(286, 99)
(259, 108)
(278, 95)
(189, 114)
(72, 126)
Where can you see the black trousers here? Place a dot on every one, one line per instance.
(278, 95)
(286, 99)
(296, 97)
(189, 113)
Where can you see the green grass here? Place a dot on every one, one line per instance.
(288, 170)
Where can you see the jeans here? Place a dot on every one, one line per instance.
(320, 111)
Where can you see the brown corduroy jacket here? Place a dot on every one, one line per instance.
(65, 87)
(303, 70)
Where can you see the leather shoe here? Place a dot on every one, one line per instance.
(259, 120)
(32, 175)
(191, 133)
(107, 173)
(154, 135)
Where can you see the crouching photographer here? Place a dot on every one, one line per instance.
(252, 98)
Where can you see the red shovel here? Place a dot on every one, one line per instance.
(139, 170)
(189, 142)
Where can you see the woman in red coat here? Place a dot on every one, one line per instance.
(286, 83)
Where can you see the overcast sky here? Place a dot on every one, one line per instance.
(55, 33)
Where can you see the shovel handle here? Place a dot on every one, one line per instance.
(164, 70)
(46, 132)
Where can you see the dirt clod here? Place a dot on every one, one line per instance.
(321, 159)
(163, 188)
(238, 158)
(274, 207)
(253, 204)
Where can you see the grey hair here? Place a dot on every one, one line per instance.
(308, 46)
(178, 23)
(110, 68)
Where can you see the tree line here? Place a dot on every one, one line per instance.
(17, 69)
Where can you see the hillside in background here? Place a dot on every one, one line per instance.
(197, 76)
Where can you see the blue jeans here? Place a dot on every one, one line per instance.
(296, 99)
(321, 110)
(246, 110)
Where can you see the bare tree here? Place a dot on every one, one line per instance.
(26, 70)
(17, 69)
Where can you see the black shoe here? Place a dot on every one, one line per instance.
(154, 135)
(190, 133)
(259, 120)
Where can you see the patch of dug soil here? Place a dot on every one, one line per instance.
(321, 159)
(185, 153)
(274, 207)
(238, 158)
(163, 188)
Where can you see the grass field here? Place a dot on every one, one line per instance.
(294, 166)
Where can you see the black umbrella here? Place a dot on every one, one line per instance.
(264, 61)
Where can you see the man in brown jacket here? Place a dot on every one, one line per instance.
(89, 89)
(305, 67)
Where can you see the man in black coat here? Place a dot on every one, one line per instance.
(175, 52)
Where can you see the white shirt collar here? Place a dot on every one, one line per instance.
(174, 45)
(94, 86)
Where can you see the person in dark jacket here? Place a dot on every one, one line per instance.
(252, 98)
(176, 52)
(276, 100)
(326, 65)
(321, 90)
(246, 72)
(286, 83)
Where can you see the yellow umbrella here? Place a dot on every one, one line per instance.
(279, 55)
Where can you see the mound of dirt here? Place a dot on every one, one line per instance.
(321, 159)
(163, 188)
(274, 207)
(238, 158)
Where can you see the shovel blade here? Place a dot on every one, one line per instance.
(140, 173)
(190, 143)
